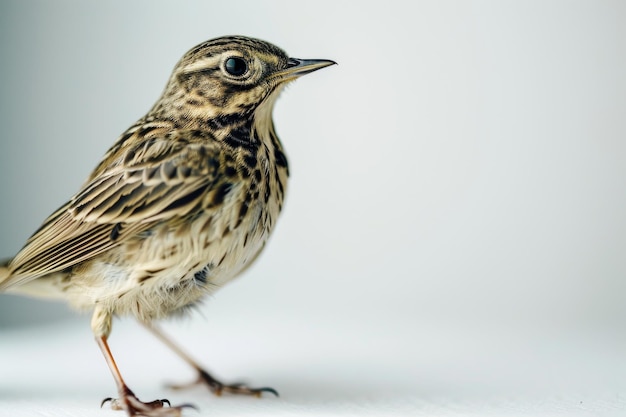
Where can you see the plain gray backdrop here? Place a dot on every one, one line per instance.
(464, 160)
(464, 163)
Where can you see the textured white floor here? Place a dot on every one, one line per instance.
(321, 365)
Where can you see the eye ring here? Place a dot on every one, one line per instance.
(236, 66)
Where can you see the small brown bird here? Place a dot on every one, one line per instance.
(183, 202)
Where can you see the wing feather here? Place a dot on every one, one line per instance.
(159, 178)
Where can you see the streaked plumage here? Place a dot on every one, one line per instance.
(181, 204)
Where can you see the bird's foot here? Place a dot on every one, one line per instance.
(131, 404)
(217, 387)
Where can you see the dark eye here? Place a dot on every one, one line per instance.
(236, 66)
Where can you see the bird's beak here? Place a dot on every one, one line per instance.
(297, 67)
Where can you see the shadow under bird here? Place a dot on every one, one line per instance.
(182, 203)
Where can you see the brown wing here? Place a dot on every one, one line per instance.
(154, 180)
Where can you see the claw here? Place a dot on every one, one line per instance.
(135, 407)
(218, 388)
(267, 389)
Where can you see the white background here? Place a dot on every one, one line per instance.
(454, 240)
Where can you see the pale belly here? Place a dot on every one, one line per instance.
(162, 273)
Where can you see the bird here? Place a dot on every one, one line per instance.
(183, 202)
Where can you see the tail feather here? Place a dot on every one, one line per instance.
(4, 276)
(38, 287)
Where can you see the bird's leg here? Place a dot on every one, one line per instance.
(204, 377)
(127, 400)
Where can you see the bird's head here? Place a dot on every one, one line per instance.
(230, 78)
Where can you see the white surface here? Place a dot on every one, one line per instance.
(321, 365)
(454, 234)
